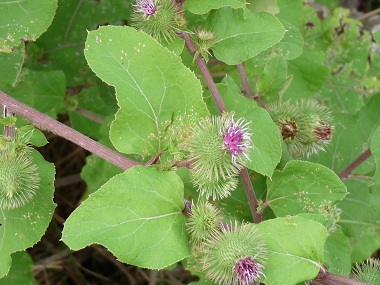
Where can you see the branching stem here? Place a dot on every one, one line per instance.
(66, 132)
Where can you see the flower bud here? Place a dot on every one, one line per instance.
(204, 220)
(305, 127)
(158, 18)
(19, 179)
(218, 146)
(235, 255)
(368, 272)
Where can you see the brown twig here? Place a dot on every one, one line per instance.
(368, 15)
(356, 163)
(66, 132)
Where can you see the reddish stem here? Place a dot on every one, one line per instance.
(205, 73)
(66, 132)
(246, 88)
(355, 164)
(252, 201)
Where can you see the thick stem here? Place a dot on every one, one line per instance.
(251, 196)
(341, 279)
(66, 132)
(205, 73)
(355, 164)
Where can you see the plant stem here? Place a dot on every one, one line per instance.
(368, 15)
(251, 196)
(205, 73)
(356, 163)
(341, 279)
(252, 201)
(66, 132)
(246, 88)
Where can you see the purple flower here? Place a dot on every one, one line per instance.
(237, 138)
(248, 270)
(147, 7)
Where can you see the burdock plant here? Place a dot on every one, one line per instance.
(219, 148)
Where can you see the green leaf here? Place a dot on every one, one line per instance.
(291, 45)
(266, 153)
(24, 21)
(269, 6)
(296, 248)
(358, 221)
(61, 47)
(342, 93)
(375, 189)
(291, 11)
(205, 6)
(49, 90)
(303, 187)
(237, 38)
(338, 253)
(32, 135)
(150, 97)
(23, 227)
(137, 215)
(11, 64)
(274, 76)
(21, 270)
(376, 36)
(309, 74)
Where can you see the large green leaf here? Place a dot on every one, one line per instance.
(237, 38)
(11, 64)
(296, 247)
(266, 153)
(153, 87)
(137, 215)
(21, 270)
(203, 7)
(24, 20)
(359, 222)
(22, 227)
(303, 187)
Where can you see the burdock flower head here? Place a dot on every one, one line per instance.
(219, 148)
(145, 7)
(158, 18)
(203, 221)
(305, 127)
(235, 255)
(19, 179)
